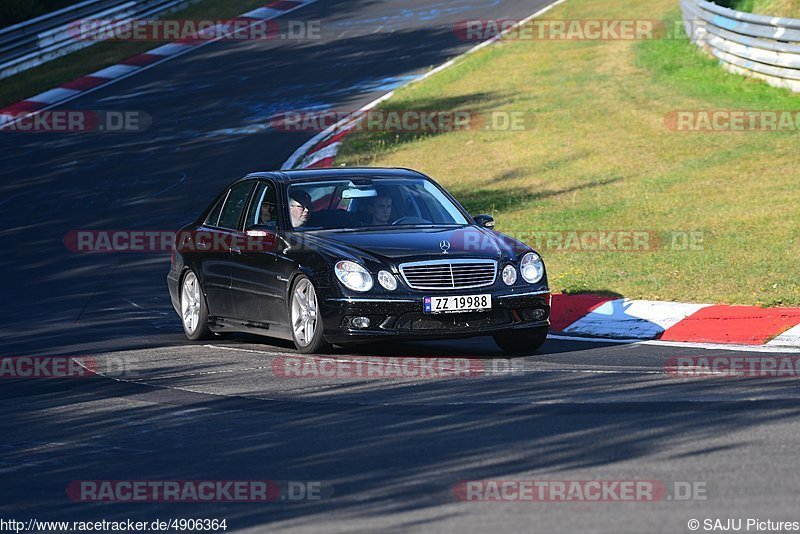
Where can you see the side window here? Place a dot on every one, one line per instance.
(234, 206)
(213, 215)
(264, 208)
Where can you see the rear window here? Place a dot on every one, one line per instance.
(213, 216)
(234, 206)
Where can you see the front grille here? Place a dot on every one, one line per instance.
(449, 274)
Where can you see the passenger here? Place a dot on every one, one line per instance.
(299, 207)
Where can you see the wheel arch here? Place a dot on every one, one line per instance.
(301, 270)
(197, 272)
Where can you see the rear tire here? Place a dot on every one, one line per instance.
(522, 341)
(305, 318)
(194, 311)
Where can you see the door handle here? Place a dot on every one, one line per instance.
(235, 249)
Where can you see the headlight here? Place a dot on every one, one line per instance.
(531, 267)
(387, 280)
(509, 275)
(353, 276)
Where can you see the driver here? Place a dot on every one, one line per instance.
(299, 207)
(267, 213)
(380, 210)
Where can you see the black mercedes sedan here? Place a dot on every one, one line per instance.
(334, 256)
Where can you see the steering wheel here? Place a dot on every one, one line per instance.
(411, 220)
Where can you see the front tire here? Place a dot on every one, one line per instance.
(194, 311)
(305, 318)
(522, 341)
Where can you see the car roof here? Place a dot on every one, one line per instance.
(305, 175)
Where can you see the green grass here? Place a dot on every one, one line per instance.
(88, 60)
(597, 156)
(775, 8)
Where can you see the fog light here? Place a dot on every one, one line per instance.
(360, 322)
(387, 280)
(538, 314)
(509, 275)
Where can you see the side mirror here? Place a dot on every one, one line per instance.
(487, 221)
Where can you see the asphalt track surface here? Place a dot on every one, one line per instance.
(390, 450)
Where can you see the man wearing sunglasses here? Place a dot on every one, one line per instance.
(299, 207)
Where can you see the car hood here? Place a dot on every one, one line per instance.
(410, 244)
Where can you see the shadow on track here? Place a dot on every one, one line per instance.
(380, 460)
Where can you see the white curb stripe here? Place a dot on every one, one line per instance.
(53, 95)
(114, 71)
(327, 152)
(632, 319)
(684, 344)
(263, 13)
(790, 338)
(169, 49)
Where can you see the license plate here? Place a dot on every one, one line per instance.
(458, 303)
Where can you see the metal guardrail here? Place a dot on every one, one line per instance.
(752, 45)
(37, 41)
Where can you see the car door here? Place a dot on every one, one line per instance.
(214, 269)
(255, 285)
(217, 265)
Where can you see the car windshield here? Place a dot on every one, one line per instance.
(362, 203)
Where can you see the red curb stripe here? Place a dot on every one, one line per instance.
(566, 309)
(743, 325)
(331, 140)
(26, 106)
(284, 5)
(142, 59)
(85, 83)
(324, 163)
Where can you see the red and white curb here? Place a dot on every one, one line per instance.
(134, 65)
(321, 151)
(602, 317)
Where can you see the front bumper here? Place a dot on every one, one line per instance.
(403, 317)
